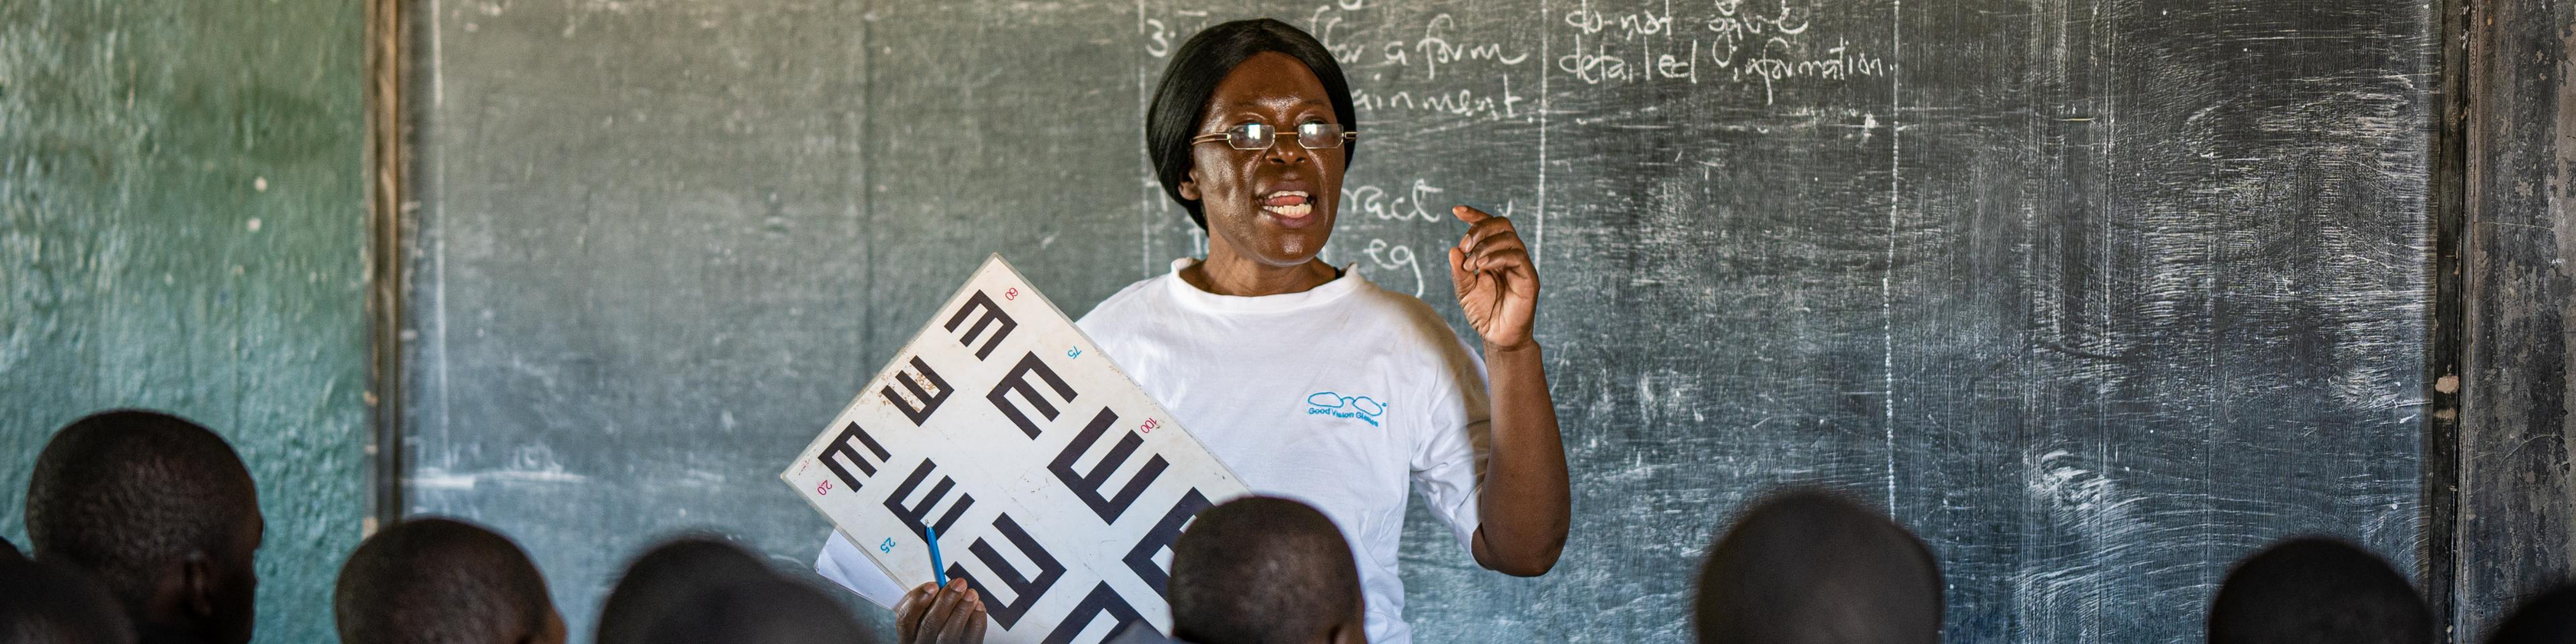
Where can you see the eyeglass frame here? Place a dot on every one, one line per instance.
(1226, 137)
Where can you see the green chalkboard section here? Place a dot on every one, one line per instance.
(2100, 295)
(181, 228)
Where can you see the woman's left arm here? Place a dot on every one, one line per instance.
(1527, 504)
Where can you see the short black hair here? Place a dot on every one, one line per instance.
(126, 494)
(1180, 100)
(2548, 619)
(1810, 566)
(774, 610)
(434, 580)
(51, 603)
(665, 577)
(2317, 590)
(1261, 570)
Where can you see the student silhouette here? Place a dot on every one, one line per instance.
(162, 512)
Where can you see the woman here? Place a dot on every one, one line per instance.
(1307, 380)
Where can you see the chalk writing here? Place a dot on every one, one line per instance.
(1436, 50)
(1394, 256)
(1734, 27)
(1461, 102)
(1741, 45)
(1377, 202)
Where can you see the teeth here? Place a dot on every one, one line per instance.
(1287, 193)
(1292, 212)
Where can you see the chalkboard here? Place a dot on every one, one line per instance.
(2098, 296)
(182, 228)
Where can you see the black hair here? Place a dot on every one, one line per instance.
(2317, 590)
(9, 551)
(127, 494)
(1180, 100)
(1810, 566)
(665, 577)
(51, 603)
(774, 610)
(2548, 619)
(1261, 570)
(431, 580)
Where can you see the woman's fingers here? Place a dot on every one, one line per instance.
(1458, 272)
(1513, 261)
(1491, 246)
(1487, 247)
(1482, 237)
(961, 624)
(908, 612)
(1484, 228)
(941, 610)
(975, 629)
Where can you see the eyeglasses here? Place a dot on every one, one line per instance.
(1257, 136)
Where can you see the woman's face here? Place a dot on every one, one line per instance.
(1273, 206)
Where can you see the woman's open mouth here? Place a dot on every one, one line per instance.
(1290, 207)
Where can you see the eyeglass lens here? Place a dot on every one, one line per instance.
(1258, 136)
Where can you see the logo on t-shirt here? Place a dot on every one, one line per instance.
(1326, 403)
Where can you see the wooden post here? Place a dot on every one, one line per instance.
(387, 205)
(2516, 504)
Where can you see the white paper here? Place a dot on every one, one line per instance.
(1062, 549)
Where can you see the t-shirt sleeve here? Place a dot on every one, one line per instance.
(1451, 441)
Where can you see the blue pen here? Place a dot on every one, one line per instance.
(938, 569)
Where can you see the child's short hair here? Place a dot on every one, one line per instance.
(2317, 590)
(665, 577)
(436, 580)
(2548, 619)
(775, 610)
(127, 494)
(1809, 566)
(1262, 570)
(700, 589)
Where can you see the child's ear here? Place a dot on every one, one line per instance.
(1350, 632)
(197, 585)
(551, 633)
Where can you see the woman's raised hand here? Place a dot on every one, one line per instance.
(1497, 285)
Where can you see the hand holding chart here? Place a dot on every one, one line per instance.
(948, 613)
(1054, 489)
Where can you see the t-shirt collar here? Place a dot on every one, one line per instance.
(1349, 282)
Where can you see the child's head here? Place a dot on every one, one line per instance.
(2549, 619)
(703, 590)
(441, 581)
(773, 610)
(665, 577)
(1808, 566)
(1264, 570)
(2317, 590)
(161, 511)
(48, 603)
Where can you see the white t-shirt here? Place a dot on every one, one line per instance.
(1343, 397)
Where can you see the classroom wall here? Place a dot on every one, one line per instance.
(181, 228)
